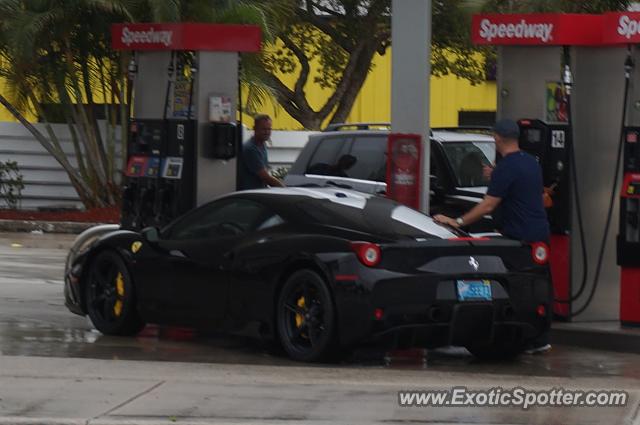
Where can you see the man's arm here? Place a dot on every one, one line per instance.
(268, 179)
(484, 207)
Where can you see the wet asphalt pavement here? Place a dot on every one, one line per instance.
(35, 322)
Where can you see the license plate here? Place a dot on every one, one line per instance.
(474, 290)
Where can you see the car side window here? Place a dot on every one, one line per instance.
(325, 155)
(228, 217)
(367, 159)
(467, 160)
(438, 168)
(268, 221)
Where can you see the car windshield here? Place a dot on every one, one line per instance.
(375, 215)
(468, 159)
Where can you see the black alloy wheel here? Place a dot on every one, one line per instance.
(306, 317)
(110, 296)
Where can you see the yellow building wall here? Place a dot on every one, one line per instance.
(5, 115)
(449, 95)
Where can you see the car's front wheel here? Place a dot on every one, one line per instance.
(306, 317)
(110, 296)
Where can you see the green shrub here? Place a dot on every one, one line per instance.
(11, 184)
(280, 172)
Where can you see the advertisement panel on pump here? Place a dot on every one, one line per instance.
(403, 168)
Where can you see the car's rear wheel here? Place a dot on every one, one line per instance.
(306, 317)
(110, 296)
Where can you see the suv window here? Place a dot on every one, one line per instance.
(370, 152)
(467, 160)
(363, 157)
(324, 157)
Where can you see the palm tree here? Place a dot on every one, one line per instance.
(58, 52)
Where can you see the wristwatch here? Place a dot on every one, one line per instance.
(459, 221)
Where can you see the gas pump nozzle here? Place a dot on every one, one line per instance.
(567, 79)
(628, 64)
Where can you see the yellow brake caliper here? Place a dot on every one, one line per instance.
(117, 307)
(300, 317)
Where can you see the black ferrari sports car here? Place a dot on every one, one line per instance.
(319, 271)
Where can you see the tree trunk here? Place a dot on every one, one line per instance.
(345, 93)
(356, 81)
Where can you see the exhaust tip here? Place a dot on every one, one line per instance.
(435, 314)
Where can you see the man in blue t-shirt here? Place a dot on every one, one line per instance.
(254, 167)
(515, 189)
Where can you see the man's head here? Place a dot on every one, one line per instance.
(346, 161)
(506, 134)
(262, 128)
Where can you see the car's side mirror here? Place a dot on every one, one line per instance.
(437, 190)
(435, 184)
(151, 234)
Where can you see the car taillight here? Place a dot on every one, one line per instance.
(541, 310)
(368, 253)
(540, 252)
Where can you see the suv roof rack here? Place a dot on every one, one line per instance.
(466, 128)
(359, 126)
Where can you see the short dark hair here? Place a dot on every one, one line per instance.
(507, 128)
(260, 117)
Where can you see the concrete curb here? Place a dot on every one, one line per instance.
(71, 227)
(619, 340)
(14, 420)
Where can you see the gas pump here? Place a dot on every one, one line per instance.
(145, 147)
(177, 193)
(628, 241)
(161, 164)
(551, 145)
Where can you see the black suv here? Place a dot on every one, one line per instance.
(354, 156)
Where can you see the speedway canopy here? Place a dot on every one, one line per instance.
(556, 29)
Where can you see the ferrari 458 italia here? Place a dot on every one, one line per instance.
(319, 271)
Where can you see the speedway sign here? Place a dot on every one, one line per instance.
(621, 28)
(191, 36)
(537, 29)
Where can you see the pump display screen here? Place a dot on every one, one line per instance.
(533, 135)
(172, 168)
